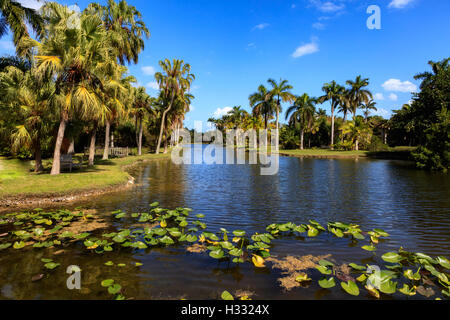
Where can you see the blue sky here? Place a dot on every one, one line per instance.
(234, 46)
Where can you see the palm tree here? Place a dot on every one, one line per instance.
(16, 17)
(427, 77)
(31, 100)
(355, 130)
(74, 58)
(358, 94)
(367, 106)
(345, 103)
(173, 83)
(142, 103)
(124, 26)
(262, 104)
(333, 93)
(281, 93)
(302, 114)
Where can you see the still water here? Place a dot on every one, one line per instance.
(413, 206)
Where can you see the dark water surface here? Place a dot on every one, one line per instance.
(413, 206)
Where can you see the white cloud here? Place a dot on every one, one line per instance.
(393, 97)
(382, 113)
(261, 26)
(33, 4)
(327, 6)
(222, 111)
(378, 96)
(153, 85)
(399, 4)
(306, 49)
(318, 26)
(398, 86)
(148, 70)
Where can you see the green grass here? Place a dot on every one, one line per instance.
(17, 179)
(323, 153)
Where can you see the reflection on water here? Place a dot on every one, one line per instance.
(413, 206)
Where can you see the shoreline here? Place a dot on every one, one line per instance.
(24, 201)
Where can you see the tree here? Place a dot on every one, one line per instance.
(335, 94)
(262, 104)
(355, 131)
(367, 106)
(125, 28)
(73, 57)
(174, 81)
(301, 114)
(16, 17)
(358, 94)
(280, 92)
(142, 103)
(32, 100)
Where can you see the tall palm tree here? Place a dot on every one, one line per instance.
(125, 28)
(302, 114)
(262, 104)
(367, 106)
(345, 103)
(142, 103)
(16, 17)
(174, 81)
(333, 93)
(74, 58)
(358, 93)
(281, 93)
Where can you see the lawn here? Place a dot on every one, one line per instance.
(323, 153)
(17, 179)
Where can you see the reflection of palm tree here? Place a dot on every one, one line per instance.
(302, 114)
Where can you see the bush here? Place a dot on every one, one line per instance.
(377, 145)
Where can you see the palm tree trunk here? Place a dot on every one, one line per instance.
(71, 147)
(107, 135)
(332, 128)
(165, 145)
(112, 140)
(163, 120)
(38, 167)
(302, 138)
(140, 137)
(56, 166)
(92, 146)
(277, 126)
(357, 145)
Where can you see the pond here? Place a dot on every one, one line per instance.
(411, 205)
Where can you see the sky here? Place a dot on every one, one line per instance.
(233, 46)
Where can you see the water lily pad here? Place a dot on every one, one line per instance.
(392, 257)
(239, 233)
(327, 283)
(107, 282)
(369, 248)
(51, 265)
(351, 288)
(114, 288)
(324, 270)
(357, 267)
(226, 296)
(217, 254)
(302, 277)
(109, 263)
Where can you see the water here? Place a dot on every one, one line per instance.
(411, 205)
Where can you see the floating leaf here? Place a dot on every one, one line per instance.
(412, 276)
(19, 245)
(217, 254)
(109, 263)
(154, 204)
(392, 257)
(406, 290)
(357, 267)
(258, 261)
(443, 262)
(107, 282)
(239, 233)
(369, 248)
(323, 270)
(312, 232)
(226, 296)
(351, 288)
(114, 289)
(373, 291)
(302, 277)
(327, 283)
(51, 265)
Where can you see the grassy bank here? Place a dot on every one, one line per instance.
(401, 153)
(16, 179)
